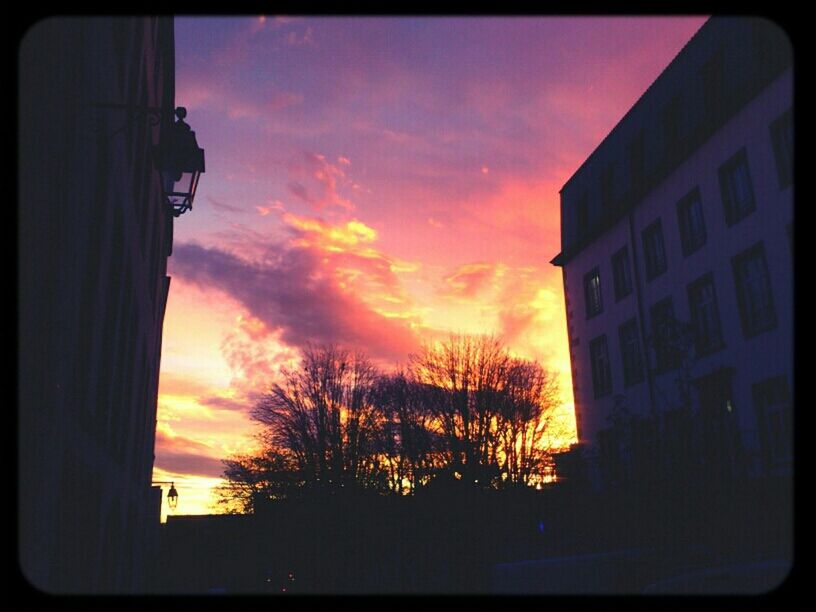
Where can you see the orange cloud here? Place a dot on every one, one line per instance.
(320, 233)
(469, 279)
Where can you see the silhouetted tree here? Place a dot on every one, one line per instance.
(464, 410)
(269, 475)
(409, 442)
(526, 420)
(469, 374)
(492, 410)
(322, 420)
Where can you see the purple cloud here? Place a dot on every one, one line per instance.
(291, 291)
(225, 403)
(182, 455)
(300, 191)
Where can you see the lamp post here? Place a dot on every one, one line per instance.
(172, 494)
(177, 157)
(180, 161)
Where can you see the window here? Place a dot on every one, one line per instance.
(754, 295)
(713, 80)
(653, 251)
(735, 186)
(592, 293)
(630, 353)
(782, 137)
(665, 336)
(671, 125)
(621, 273)
(772, 404)
(607, 185)
(582, 216)
(691, 222)
(637, 160)
(601, 372)
(705, 316)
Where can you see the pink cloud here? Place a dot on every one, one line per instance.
(316, 181)
(468, 280)
(183, 455)
(296, 292)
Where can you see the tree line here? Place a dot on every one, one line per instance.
(462, 410)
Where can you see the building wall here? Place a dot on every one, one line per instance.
(753, 359)
(94, 236)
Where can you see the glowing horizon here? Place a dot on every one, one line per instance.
(377, 183)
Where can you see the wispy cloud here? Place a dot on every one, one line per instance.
(468, 279)
(220, 206)
(180, 454)
(316, 181)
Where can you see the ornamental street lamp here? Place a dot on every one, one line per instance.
(177, 157)
(180, 161)
(172, 494)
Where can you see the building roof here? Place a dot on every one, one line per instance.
(752, 51)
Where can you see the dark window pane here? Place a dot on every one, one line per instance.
(607, 185)
(601, 371)
(713, 86)
(754, 294)
(637, 161)
(653, 250)
(705, 316)
(630, 353)
(666, 336)
(691, 222)
(782, 137)
(672, 126)
(622, 274)
(736, 188)
(582, 216)
(592, 293)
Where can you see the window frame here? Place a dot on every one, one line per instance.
(653, 270)
(621, 256)
(592, 312)
(726, 171)
(780, 128)
(693, 290)
(631, 375)
(665, 360)
(582, 216)
(690, 243)
(602, 384)
(636, 157)
(751, 328)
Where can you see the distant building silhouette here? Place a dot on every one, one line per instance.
(94, 237)
(677, 257)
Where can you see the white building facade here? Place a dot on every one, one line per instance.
(677, 257)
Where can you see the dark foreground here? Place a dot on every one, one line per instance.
(706, 538)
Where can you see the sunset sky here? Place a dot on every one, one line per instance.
(377, 183)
